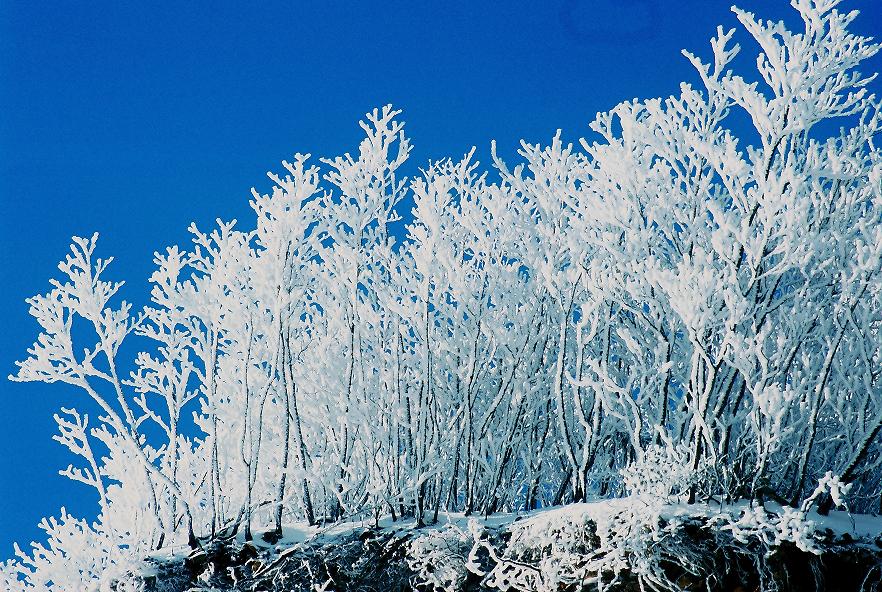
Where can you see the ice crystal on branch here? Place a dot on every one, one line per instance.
(676, 309)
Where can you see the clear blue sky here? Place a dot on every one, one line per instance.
(133, 119)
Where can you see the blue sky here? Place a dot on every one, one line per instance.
(133, 119)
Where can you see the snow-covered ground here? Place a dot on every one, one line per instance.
(584, 544)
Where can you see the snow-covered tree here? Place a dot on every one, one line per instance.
(685, 306)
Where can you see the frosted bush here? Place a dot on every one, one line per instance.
(756, 524)
(664, 470)
(438, 558)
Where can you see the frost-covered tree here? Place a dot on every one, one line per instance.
(685, 306)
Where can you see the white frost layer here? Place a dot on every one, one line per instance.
(857, 526)
(539, 523)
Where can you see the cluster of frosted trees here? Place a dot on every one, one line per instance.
(673, 309)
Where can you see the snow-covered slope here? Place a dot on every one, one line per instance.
(618, 544)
